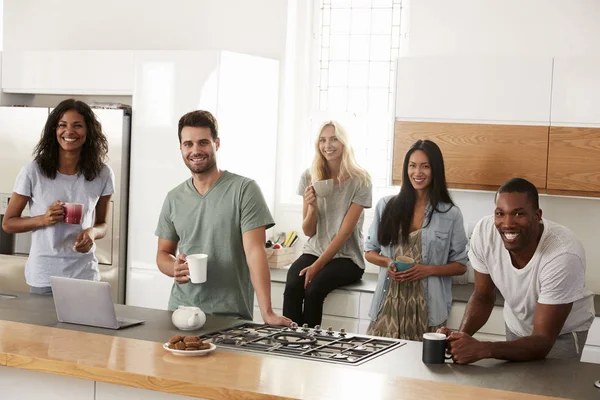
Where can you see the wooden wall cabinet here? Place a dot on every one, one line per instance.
(495, 118)
(478, 156)
(574, 161)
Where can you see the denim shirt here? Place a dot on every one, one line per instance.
(443, 241)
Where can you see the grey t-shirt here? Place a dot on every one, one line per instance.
(213, 224)
(51, 252)
(331, 211)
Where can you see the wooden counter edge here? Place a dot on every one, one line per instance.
(413, 388)
(105, 375)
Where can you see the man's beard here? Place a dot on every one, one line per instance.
(210, 164)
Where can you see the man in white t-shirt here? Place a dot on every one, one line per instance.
(539, 268)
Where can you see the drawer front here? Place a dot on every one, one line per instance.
(337, 323)
(342, 304)
(365, 305)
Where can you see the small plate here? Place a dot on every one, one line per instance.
(190, 353)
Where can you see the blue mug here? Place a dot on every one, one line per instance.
(403, 263)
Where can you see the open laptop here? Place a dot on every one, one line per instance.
(84, 302)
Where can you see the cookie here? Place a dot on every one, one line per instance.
(180, 346)
(191, 339)
(175, 339)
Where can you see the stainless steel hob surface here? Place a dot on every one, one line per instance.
(303, 342)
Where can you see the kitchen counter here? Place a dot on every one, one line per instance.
(32, 339)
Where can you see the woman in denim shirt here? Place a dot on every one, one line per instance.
(423, 223)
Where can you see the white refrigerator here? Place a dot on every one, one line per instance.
(20, 130)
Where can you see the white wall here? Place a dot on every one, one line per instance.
(255, 27)
(1, 24)
(495, 27)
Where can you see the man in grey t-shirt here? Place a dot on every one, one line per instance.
(219, 214)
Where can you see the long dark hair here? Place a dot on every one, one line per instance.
(398, 213)
(93, 151)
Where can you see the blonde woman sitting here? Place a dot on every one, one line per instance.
(333, 255)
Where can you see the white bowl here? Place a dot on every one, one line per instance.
(190, 353)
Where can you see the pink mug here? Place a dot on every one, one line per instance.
(73, 213)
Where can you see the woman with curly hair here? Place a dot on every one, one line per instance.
(68, 166)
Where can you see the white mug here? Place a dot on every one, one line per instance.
(197, 265)
(323, 188)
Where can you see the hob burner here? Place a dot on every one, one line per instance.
(294, 339)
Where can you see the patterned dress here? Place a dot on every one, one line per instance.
(403, 314)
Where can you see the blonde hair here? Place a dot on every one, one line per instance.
(348, 168)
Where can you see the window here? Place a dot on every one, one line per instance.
(356, 46)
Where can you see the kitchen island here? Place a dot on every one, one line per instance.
(111, 363)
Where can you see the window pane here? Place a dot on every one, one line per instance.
(338, 73)
(359, 47)
(361, 21)
(379, 74)
(323, 100)
(324, 78)
(337, 99)
(341, 3)
(361, 3)
(339, 47)
(381, 21)
(378, 100)
(380, 47)
(357, 99)
(382, 3)
(340, 21)
(359, 74)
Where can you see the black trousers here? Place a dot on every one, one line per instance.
(338, 272)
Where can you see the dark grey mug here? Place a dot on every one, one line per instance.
(434, 348)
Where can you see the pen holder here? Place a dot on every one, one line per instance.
(279, 258)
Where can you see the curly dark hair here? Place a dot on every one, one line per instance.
(93, 152)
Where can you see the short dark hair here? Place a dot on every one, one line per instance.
(199, 119)
(520, 185)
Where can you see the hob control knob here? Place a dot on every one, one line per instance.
(342, 332)
(305, 327)
(317, 328)
(330, 331)
(293, 326)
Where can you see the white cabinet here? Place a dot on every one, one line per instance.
(107, 391)
(92, 72)
(148, 288)
(23, 384)
(471, 88)
(241, 91)
(576, 91)
(493, 328)
(20, 130)
(591, 351)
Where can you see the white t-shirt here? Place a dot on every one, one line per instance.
(554, 275)
(51, 252)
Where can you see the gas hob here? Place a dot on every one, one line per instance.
(302, 342)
